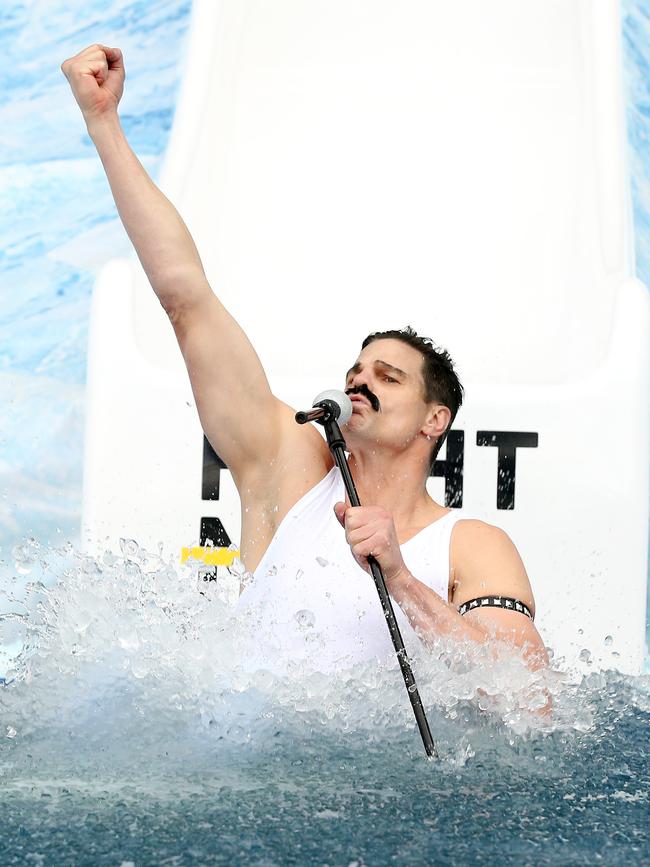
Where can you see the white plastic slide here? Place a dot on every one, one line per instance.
(352, 166)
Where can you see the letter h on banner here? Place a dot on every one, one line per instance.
(451, 468)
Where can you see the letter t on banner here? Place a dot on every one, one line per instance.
(507, 442)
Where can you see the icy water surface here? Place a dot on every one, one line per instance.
(132, 733)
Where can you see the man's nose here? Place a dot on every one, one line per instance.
(361, 378)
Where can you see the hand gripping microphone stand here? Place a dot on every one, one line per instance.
(326, 411)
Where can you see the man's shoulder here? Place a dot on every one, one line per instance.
(473, 531)
(477, 546)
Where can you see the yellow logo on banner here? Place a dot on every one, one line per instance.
(209, 556)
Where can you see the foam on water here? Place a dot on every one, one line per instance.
(134, 614)
(134, 635)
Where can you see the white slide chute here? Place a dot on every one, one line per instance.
(346, 167)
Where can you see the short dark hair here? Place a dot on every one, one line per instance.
(441, 382)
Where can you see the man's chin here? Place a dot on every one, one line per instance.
(359, 411)
(355, 425)
(354, 419)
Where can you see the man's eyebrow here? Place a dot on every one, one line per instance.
(357, 367)
(391, 367)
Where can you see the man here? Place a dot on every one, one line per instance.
(404, 394)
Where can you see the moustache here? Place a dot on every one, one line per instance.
(365, 392)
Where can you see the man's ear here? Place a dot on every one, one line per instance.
(437, 421)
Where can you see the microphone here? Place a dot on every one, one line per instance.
(330, 404)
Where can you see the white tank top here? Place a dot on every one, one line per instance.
(310, 602)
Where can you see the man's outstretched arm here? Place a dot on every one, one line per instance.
(161, 239)
(227, 377)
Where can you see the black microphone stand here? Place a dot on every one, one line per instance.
(336, 444)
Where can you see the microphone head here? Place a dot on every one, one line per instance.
(341, 399)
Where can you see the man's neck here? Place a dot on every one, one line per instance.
(397, 485)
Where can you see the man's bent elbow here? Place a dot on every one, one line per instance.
(180, 291)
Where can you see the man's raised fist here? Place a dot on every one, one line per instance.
(96, 76)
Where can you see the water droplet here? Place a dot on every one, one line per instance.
(246, 579)
(322, 561)
(608, 641)
(271, 571)
(129, 547)
(12, 628)
(304, 618)
(25, 556)
(132, 570)
(236, 567)
(11, 732)
(581, 632)
(585, 655)
(299, 574)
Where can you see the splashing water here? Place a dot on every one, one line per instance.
(131, 704)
